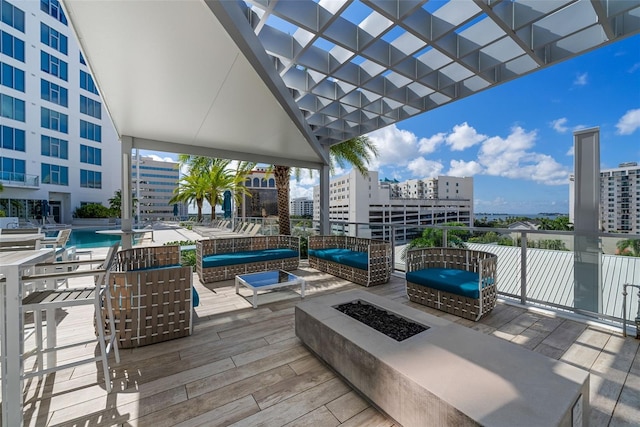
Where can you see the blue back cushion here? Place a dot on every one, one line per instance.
(245, 257)
(459, 282)
(343, 256)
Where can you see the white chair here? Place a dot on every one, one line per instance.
(52, 299)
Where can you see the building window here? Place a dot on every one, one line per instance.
(54, 174)
(54, 120)
(12, 139)
(53, 93)
(86, 82)
(90, 179)
(272, 182)
(12, 16)
(11, 77)
(11, 46)
(12, 108)
(90, 107)
(54, 147)
(82, 61)
(53, 38)
(12, 169)
(90, 131)
(90, 155)
(52, 65)
(256, 182)
(53, 8)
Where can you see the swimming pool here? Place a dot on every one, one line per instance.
(88, 238)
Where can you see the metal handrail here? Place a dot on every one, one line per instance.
(624, 310)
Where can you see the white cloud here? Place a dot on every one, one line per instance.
(635, 67)
(571, 151)
(559, 125)
(296, 189)
(628, 123)
(395, 146)
(423, 168)
(512, 158)
(463, 137)
(461, 168)
(581, 79)
(430, 144)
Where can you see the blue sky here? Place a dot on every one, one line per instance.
(516, 140)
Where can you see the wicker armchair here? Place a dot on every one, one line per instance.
(457, 281)
(152, 296)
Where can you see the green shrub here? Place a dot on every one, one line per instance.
(93, 210)
(188, 257)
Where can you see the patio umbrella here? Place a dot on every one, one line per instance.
(226, 204)
(175, 209)
(45, 208)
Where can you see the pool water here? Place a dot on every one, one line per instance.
(88, 238)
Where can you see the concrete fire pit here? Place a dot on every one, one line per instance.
(446, 375)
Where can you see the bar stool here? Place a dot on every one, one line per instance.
(51, 299)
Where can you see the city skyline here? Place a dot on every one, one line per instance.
(516, 140)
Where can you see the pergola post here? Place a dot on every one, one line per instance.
(126, 193)
(587, 251)
(324, 197)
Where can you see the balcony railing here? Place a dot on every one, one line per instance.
(13, 179)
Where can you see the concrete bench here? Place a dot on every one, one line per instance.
(224, 258)
(454, 280)
(363, 261)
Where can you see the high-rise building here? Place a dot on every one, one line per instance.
(302, 206)
(619, 199)
(58, 148)
(358, 199)
(153, 183)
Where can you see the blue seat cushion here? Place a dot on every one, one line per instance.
(246, 257)
(459, 282)
(354, 259)
(156, 268)
(195, 297)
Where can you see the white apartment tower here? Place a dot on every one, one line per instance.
(357, 199)
(619, 199)
(58, 147)
(302, 206)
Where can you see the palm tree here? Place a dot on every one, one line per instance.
(357, 152)
(629, 247)
(207, 179)
(191, 188)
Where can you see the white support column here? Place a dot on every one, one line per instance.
(587, 251)
(126, 193)
(324, 198)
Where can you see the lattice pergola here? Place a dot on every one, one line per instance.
(356, 66)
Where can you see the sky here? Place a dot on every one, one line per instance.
(516, 139)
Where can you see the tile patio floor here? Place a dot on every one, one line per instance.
(245, 367)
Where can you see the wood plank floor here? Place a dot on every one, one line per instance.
(245, 367)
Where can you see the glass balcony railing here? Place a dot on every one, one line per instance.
(14, 179)
(539, 267)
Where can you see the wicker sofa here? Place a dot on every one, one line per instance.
(220, 259)
(457, 281)
(151, 296)
(363, 261)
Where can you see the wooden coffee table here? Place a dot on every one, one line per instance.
(268, 280)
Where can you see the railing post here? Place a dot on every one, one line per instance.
(393, 248)
(444, 238)
(523, 267)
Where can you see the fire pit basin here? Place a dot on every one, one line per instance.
(446, 375)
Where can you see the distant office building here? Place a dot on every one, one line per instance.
(619, 199)
(302, 206)
(263, 198)
(58, 148)
(153, 183)
(358, 199)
